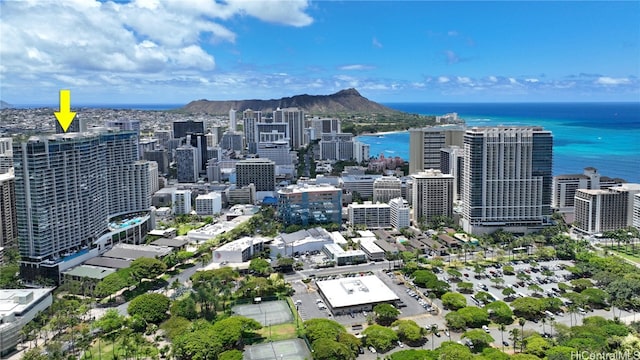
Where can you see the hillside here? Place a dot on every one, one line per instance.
(344, 101)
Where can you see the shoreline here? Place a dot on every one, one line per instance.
(383, 133)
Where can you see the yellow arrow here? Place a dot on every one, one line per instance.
(65, 115)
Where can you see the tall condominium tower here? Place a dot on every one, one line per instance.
(506, 179)
(182, 128)
(295, 118)
(8, 219)
(432, 195)
(324, 125)
(68, 186)
(386, 188)
(260, 172)
(188, 164)
(250, 118)
(233, 122)
(425, 144)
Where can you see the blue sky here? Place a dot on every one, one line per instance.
(149, 51)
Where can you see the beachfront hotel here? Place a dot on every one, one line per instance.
(506, 181)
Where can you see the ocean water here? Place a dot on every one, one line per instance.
(602, 135)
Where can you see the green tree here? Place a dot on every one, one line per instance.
(527, 307)
(380, 337)
(232, 329)
(34, 354)
(201, 344)
(536, 345)
(479, 339)
(455, 321)
(147, 268)
(454, 351)
(260, 266)
(185, 308)
(175, 326)
(231, 355)
(580, 284)
(595, 297)
(322, 329)
(453, 301)
(150, 307)
(500, 312)
(408, 331)
(327, 349)
(110, 322)
(465, 287)
(385, 313)
(474, 316)
(508, 292)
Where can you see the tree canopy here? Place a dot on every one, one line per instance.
(386, 313)
(151, 307)
(380, 337)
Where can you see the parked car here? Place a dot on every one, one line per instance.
(372, 349)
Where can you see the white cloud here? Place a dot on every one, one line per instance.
(463, 80)
(452, 33)
(101, 42)
(532, 80)
(443, 79)
(356, 67)
(493, 79)
(376, 43)
(606, 80)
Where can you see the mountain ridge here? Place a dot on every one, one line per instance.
(343, 101)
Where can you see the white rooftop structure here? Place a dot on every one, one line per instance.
(212, 230)
(366, 233)
(17, 308)
(338, 238)
(354, 291)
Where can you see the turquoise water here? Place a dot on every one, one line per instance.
(605, 136)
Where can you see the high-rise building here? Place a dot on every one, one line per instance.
(250, 118)
(209, 204)
(425, 144)
(636, 211)
(597, 211)
(277, 151)
(372, 216)
(181, 202)
(199, 141)
(187, 162)
(336, 146)
(232, 141)
(386, 188)
(233, 124)
(432, 195)
(67, 188)
(451, 161)
(506, 179)
(324, 125)
(260, 172)
(295, 118)
(310, 204)
(400, 213)
(78, 124)
(361, 151)
(6, 155)
(161, 158)
(8, 219)
(565, 187)
(182, 128)
(124, 125)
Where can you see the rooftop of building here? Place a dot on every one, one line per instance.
(109, 262)
(314, 233)
(132, 252)
(211, 195)
(90, 271)
(16, 301)
(174, 243)
(307, 188)
(242, 243)
(353, 291)
(368, 204)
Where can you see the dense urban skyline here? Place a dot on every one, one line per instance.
(173, 52)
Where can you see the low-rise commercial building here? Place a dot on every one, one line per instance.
(239, 251)
(17, 308)
(355, 294)
(373, 216)
(300, 242)
(341, 257)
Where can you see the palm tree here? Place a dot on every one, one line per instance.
(521, 322)
(502, 328)
(515, 337)
(433, 329)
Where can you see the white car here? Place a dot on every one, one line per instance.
(485, 328)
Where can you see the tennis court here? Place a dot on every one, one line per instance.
(293, 349)
(266, 313)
